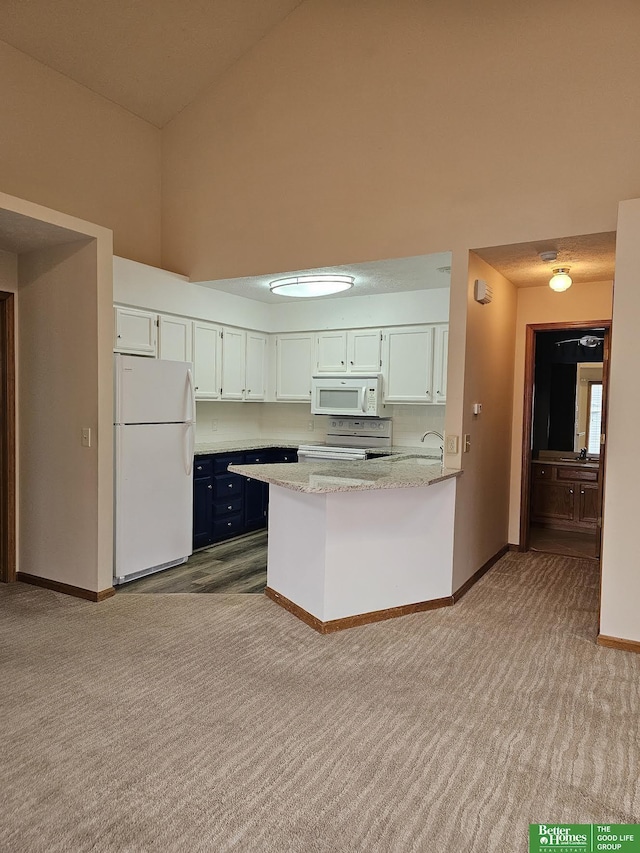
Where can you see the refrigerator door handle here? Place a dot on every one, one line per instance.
(192, 397)
(191, 427)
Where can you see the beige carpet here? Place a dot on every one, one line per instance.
(221, 723)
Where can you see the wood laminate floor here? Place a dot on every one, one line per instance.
(236, 566)
(566, 543)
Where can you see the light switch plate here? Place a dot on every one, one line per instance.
(467, 443)
(86, 437)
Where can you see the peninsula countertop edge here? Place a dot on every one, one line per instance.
(367, 475)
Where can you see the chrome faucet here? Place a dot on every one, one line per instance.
(441, 437)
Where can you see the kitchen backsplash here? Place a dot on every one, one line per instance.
(411, 422)
(292, 421)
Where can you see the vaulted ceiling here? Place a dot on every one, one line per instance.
(153, 57)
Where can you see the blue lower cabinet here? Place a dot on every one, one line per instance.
(227, 526)
(256, 498)
(202, 511)
(226, 504)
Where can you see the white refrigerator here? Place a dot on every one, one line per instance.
(154, 425)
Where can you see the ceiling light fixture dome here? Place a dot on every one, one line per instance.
(560, 280)
(307, 286)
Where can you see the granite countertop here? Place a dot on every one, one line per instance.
(569, 463)
(237, 445)
(324, 477)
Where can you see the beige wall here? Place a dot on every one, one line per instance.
(482, 493)
(583, 303)
(8, 272)
(358, 131)
(620, 603)
(64, 147)
(64, 382)
(58, 395)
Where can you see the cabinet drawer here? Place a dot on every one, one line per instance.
(202, 467)
(542, 472)
(227, 487)
(221, 508)
(259, 457)
(584, 475)
(220, 463)
(230, 525)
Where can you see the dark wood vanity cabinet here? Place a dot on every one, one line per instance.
(565, 497)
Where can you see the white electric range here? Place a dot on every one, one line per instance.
(349, 439)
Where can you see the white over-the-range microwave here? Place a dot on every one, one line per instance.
(360, 396)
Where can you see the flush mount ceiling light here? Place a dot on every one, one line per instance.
(311, 285)
(560, 280)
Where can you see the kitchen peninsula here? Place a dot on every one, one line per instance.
(357, 542)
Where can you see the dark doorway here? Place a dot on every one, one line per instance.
(7, 440)
(566, 370)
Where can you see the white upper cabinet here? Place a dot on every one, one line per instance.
(363, 351)
(234, 342)
(440, 363)
(256, 366)
(244, 367)
(294, 362)
(206, 360)
(174, 338)
(331, 352)
(135, 331)
(408, 364)
(352, 351)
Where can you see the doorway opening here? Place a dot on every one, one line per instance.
(563, 448)
(7, 440)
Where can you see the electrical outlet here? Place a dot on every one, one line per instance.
(467, 443)
(214, 426)
(452, 444)
(311, 426)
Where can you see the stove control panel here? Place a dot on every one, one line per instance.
(379, 427)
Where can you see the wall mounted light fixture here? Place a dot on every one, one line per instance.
(560, 280)
(307, 286)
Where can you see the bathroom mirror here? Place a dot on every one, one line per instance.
(568, 391)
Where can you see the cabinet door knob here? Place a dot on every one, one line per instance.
(230, 486)
(229, 507)
(570, 491)
(228, 524)
(542, 472)
(198, 467)
(350, 362)
(209, 486)
(582, 491)
(342, 362)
